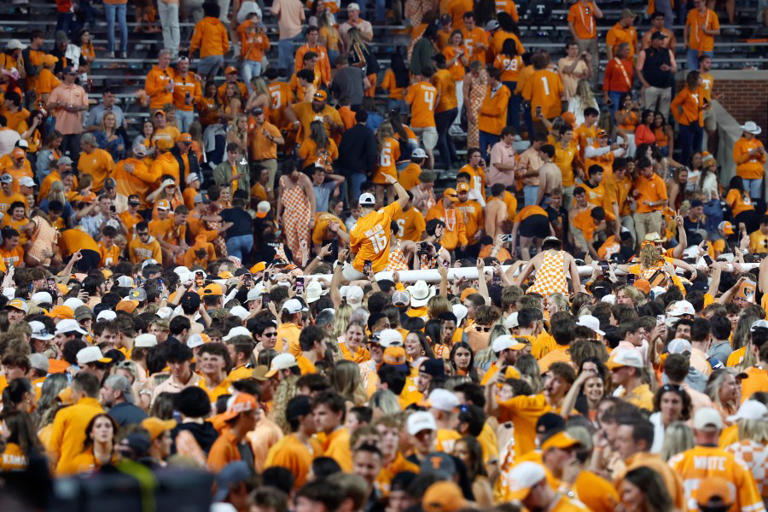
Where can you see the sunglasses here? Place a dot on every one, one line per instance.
(482, 328)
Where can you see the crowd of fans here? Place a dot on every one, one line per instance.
(261, 280)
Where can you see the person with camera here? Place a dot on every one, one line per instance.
(455, 234)
(573, 67)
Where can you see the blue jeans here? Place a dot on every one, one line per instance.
(64, 21)
(615, 98)
(528, 119)
(690, 141)
(184, 118)
(250, 69)
(285, 49)
(240, 246)
(112, 11)
(692, 59)
(755, 188)
(530, 192)
(210, 66)
(714, 215)
(487, 139)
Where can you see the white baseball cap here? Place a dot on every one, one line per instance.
(314, 291)
(293, 306)
(523, 477)
(366, 199)
(69, 325)
(281, 362)
(125, 282)
(591, 323)
(505, 342)
(443, 400)
(354, 295)
(253, 294)
(91, 354)
(145, 341)
(74, 303)
(460, 312)
(510, 321)
(42, 298)
(679, 346)
(237, 331)
(750, 410)
(390, 338)
(26, 181)
(195, 340)
(106, 315)
(39, 332)
(707, 417)
(240, 312)
(625, 357)
(420, 420)
(680, 308)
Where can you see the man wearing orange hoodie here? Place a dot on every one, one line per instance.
(210, 37)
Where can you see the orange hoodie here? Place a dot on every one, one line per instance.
(210, 37)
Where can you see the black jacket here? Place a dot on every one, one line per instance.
(194, 166)
(357, 151)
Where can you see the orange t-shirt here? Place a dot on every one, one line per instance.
(421, 97)
(509, 66)
(493, 112)
(445, 84)
(583, 19)
(544, 89)
(457, 69)
(370, 237)
(690, 105)
(389, 83)
(389, 153)
(696, 21)
(98, 164)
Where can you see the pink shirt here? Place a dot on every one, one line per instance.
(290, 17)
(504, 155)
(68, 123)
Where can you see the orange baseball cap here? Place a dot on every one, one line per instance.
(62, 313)
(467, 292)
(643, 285)
(127, 306)
(259, 267)
(230, 69)
(185, 137)
(570, 118)
(443, 496)
(242, 402)
(560, 440)
(213, 289)
(451, 194)
(158, 111)
(156, 426)
(602, 133)
(163, 204)
(394, 356)
(462, 187)
(320, 96)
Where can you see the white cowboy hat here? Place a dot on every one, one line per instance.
(420, 294)
(751, 127)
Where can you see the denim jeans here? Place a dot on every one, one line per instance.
(70, 146)
(356, 181)
(443, 120)
(111, 11)
(530, 192)
(248, 70)
(690, 141)
(210, 66)
(240, 246)
(169, 19)
(285, 49)
(615, 98)
(64, 21)
(486, 140)
(755, 188)
(184, 118)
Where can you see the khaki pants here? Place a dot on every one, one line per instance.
(590, 45)
(271, 166)
(647, 223)
(657, 98)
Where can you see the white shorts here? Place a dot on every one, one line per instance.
(350, 273)
(428, 136)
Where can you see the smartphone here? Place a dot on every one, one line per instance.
(660, 319)
(538, 110)
(604, 266)
(52, 284)
(300, 284)
(264, 300)
(631, 279)
(367, 266)
(708, 260)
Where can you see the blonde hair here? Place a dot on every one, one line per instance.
(346, 381)
(678, 437)
(754, 430)
(57, 193)
(438, 305)
(716, 381)
(104, 118)
(284, 392)
(341, 321)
